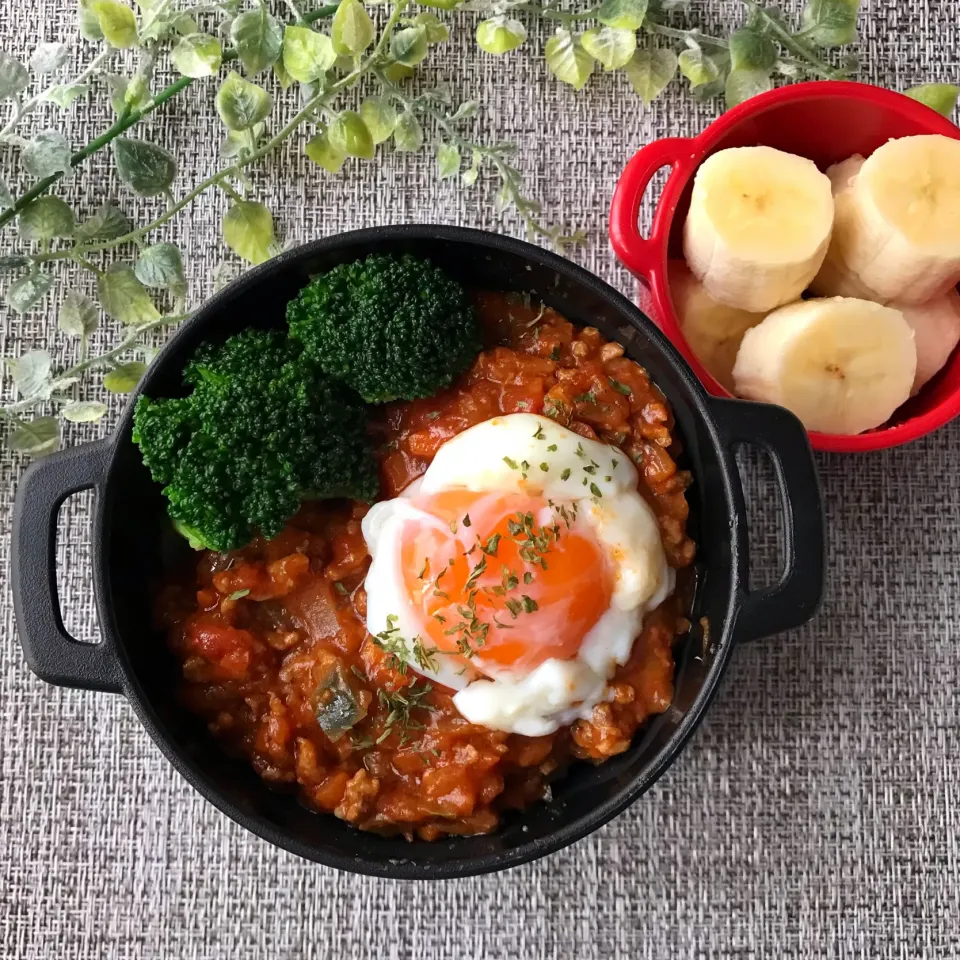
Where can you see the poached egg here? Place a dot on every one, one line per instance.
(517, 571)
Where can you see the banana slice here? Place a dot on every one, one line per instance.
(841, 175)
(758, 226)
(897, 229)
(936, 330)
(712, 329)
(842, 365)
(834, 279)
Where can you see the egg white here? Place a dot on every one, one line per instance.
(504, 454)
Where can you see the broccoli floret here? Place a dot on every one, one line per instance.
(168, 425)
(389, 327)
(263, 430)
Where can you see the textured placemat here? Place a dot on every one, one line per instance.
(814, 814)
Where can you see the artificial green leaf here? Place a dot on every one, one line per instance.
(500, 35)
(409, 45)
(320, 151)
(28, 291)
(124, 379)
(64, 94)
(441, 4)
(197, 55)
(146, 168)
(248, 230)
(397, 72)
(448, 161)
(258, 38)
(280, 72)
(349, 134)
(469, 176)
(236, 141)
(108, 223)
(14, 262)
(941, 97)
(752, 50)
(46, 154)
(650, 70)
(48, 57)
(31, 373)
(466, 110)
(6, 197)
(36, 437)
(185, 25)
(87, 22)
(83, 411)
(437, 30)
(307, 55)
(117, 86)
(623, 14)
(697, 67)
(567, 60)
(242, 104)
(408, 134)
(13, 76)
(610, 46)
(830, 23)
(124, 297)
(743, 84)
(352, 31)
(117, 23)
(161, 266)
(379, 117)
(78, 315)
(46, 218)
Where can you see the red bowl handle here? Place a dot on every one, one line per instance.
(641, 254)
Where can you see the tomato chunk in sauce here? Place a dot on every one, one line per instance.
(268, 634)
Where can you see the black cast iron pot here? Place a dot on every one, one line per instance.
(130, 530)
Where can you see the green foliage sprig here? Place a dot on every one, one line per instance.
(251, 58)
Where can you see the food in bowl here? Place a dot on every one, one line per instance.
(526, 586)
(886, 317)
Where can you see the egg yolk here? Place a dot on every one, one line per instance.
(505, 580)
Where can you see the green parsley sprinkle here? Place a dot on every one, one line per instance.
(528, 604)
(544, 467)
(595, 490)
(466, 519)
(512, 464)
(620, 387)
(539, 434)
(566, 474)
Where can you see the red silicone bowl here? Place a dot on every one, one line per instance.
(826, 121)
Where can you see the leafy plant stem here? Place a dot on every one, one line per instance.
(216, 179)
(493, 154)
(813, 63)
(124, 123)
(23, 109)
(87, 265)
(63, 380)
(551, 13)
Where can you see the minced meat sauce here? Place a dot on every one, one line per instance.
(261, 631)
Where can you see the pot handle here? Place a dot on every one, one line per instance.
(51, 652)
(639, 254)
(796, 596)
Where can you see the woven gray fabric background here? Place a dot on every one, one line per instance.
(813, 814)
